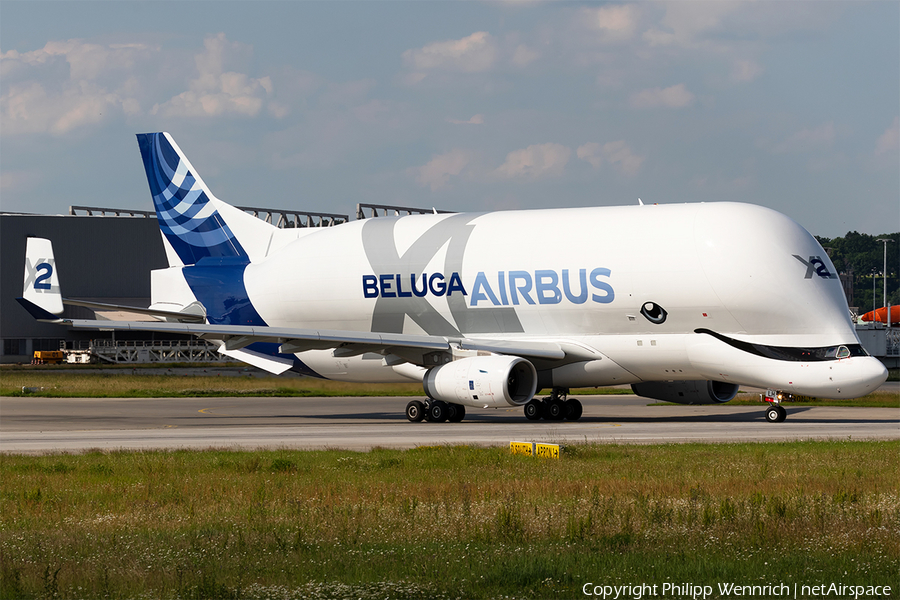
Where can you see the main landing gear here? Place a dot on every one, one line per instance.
(435, 411)
(776, 412)
(554, 408)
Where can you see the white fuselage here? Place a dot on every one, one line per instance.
(578, 277)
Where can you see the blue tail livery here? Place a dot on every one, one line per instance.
(187, 216)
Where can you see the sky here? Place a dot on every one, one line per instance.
(460, 105)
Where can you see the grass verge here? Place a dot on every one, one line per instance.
(446, 522)
(118, 384)
(875, 399)
(123, 385)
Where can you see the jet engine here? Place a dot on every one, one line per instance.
(687, 392)
(483, 381)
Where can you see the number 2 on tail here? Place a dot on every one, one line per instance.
(42, 282)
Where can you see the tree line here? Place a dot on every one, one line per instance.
(859, 258)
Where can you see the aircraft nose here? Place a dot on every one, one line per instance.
(868, 375)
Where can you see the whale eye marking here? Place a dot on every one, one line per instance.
(654, 313)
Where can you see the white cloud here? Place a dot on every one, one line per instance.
(591, 152)
(475, 120)
(279, 110)
(614, 22)
(889, 141)
(85, 60)
(28, 108)
(676, 96)
(535, 162)
(685, 23)
(744, 71)
(439, 169)
(217, 92)
(472, 54)
(808, 140)
(618, 154)
(524, 56)
(716, 25)
(67, 85)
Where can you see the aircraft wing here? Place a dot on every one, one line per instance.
(347, 343)
(238, 336)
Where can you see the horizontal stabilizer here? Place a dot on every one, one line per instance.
(37, 312)
(186, 317)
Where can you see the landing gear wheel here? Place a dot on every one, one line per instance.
(573, 409)
(457, 412)
(555, 410)
(533, 410)
(438, 411)
(776, 414)
(415, 411)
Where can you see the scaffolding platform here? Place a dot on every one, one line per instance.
(133, 352)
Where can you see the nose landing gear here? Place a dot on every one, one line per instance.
(776, 412)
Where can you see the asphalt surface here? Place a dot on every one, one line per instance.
(40, 425)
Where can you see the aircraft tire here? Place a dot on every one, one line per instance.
(457, 412)
(534, 410)
(415, 411)
(782, 414)
(555, 410)
(438, 411)
(773, 414)
(573, 409)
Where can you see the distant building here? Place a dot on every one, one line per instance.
(102, 255)
(100, 258)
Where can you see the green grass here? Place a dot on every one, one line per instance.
(113, 384)
(446, 522)
(875, 399)
(94, 383)
(104, 384)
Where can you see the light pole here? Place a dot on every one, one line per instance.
(884, 271)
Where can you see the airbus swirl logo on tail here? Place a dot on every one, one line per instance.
(186, 215)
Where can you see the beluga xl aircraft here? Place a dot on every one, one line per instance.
(684, 302)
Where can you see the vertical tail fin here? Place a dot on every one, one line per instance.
(185, 207)
(41, 287)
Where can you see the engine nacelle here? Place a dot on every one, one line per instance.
(483, 381)
(687, 392)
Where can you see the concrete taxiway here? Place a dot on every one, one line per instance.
(39, 425)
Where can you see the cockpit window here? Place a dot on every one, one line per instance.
(836, 352)
(788, 353)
